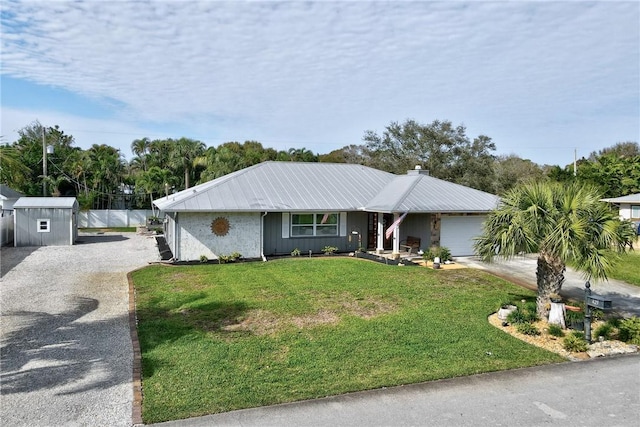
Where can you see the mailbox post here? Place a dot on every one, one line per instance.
(595, 301)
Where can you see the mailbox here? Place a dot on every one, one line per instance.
(598, 301)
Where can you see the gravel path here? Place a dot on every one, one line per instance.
(66, 355)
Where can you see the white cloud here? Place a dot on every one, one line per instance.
(326, 71)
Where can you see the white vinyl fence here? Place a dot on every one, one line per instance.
(6, 229)
(112, 218)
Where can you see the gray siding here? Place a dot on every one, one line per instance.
(417, 225)
(62, 226)
(274, 244)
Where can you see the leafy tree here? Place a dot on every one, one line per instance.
(621, 149)
(512, 170)
(442, 148)
(562, 223)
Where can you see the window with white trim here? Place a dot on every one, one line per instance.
(44, 225)
(635, 211)
(314, 224)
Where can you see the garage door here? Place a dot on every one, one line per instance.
(457, 233)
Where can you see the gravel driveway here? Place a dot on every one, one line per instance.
(66, 349)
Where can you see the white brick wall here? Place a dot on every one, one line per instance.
(196, 237)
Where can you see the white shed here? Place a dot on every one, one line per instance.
(45, 221)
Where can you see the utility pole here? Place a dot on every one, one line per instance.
(44, 165)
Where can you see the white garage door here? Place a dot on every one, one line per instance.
(457, 233)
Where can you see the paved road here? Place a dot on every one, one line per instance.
(66, 355)
(598, 392)
(522, 270)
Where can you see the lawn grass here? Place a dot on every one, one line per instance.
(628, 269)
(216, 338)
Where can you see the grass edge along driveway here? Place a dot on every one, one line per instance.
(216, 338)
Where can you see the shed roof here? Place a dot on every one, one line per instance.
(292, 186)
(46, 202)
(631, 198)
(7, 192)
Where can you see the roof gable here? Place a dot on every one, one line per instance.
(8, 193)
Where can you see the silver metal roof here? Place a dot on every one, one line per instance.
(282, 186)
(292, 186)
(46, 202)
(417, 192)
(631, 198)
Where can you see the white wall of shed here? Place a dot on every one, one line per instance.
(197, 239)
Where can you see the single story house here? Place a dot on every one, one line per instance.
(45, 221)
(8, 196)
(273, 208)
(629, 208)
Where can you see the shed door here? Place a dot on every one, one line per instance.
(457, 233)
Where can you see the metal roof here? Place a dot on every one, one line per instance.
(9, 193)
(631, 198)
(292, 186)
(46, 202)
(282, 186)
(418, 192)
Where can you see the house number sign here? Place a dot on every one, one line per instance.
(220, 226)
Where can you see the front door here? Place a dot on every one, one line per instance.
(372, 231)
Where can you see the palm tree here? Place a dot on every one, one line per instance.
(184, 154)
(562, 223)
(12, 168)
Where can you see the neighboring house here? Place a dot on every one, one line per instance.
(8, 197)
(629, 208)
(45, 221)
(275, 207)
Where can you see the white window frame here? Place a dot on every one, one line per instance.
(46, 222)
(635, 211)
(316, 224)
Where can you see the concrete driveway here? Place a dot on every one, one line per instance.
(522, 270)
(66, 354)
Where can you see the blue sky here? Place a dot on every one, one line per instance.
(540, 78)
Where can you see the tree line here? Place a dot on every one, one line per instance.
(101, 178)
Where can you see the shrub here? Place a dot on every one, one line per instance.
(605, 330)
(516, 317)
(236, 256)
(295, 252)
(574, 343)
(204, 259)
(329, 250)
(439, 251)
(527, 329)
(555, 330)
(629, 330)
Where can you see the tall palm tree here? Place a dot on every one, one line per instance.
(12, 169)
(562, 223)
(184, 154)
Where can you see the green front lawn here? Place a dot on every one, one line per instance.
(628, 269)
(216, 338)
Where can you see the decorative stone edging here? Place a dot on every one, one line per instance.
(136, 410)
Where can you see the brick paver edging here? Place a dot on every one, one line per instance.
(136, 410)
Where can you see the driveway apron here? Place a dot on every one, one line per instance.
(625, 298)
(66, 354)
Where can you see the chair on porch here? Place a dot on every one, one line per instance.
(411, 245)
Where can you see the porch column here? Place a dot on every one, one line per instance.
(396, 237)
(380, 239)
